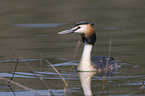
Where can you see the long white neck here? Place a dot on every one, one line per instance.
(85, 62)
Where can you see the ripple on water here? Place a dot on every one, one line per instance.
(58, 92)
(10, 75)
(118, 77)
(14, 60)
(39, 25)
(65, 64)
(44, 74)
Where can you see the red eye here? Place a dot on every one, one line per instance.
(79, 27)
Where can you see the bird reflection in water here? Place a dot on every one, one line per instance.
(86, 77)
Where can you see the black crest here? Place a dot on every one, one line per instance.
(84, 22)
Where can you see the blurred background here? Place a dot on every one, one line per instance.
(28, 29)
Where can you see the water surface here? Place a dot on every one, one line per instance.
(28, 30)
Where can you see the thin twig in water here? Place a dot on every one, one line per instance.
(15, 69)
(13, 77)
(41, 66)
(76, 49)
(74, 56)
(43, 82)
(57, 72)
(107, 59)
(41, 78)
(19, 57)
(110, 42)
(109, 51)
(65, 83)
(20, 85)
(143, 86)
(109, 55)
(8, 83)
(105, 85)
(107, 67)
(104, 80)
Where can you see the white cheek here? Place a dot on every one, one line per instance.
(81, 30)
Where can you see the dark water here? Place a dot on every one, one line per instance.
(28, 30)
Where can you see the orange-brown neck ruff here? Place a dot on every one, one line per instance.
(89, 31)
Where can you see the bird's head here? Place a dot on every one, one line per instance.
(85, 29)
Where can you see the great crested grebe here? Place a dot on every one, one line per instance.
(88, 35)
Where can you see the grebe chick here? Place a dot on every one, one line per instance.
(88, 35)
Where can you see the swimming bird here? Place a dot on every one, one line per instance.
(88, 35)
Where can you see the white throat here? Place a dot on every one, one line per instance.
(85, 62)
